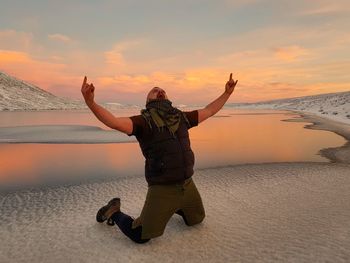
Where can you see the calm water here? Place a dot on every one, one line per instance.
(233, 137)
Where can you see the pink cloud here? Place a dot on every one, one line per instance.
(115, 55)
(38, 72)
(290, 53)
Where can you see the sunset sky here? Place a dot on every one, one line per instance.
(276, 49)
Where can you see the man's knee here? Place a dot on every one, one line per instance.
(196, 219)
(136, 235)
(141, 241)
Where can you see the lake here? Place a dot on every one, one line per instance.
(231, 137)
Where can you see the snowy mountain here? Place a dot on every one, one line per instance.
(17, 94)
(332, 105)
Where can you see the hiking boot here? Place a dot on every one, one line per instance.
(107, 211)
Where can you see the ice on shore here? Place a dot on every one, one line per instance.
(335, 106)
(285, 212)
(61, 134)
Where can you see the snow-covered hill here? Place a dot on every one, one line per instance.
(332, 105)
(16, 94)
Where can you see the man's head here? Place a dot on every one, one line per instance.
(156, 93)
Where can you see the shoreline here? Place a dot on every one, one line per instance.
(270, 212)
(334, 154)
(256, 212)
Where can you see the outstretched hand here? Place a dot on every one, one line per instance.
(88, 92)
(230, 85)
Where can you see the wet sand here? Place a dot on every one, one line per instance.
(271, 212)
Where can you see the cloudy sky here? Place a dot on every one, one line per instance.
(276, 49)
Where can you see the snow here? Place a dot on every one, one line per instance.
(18, 95)
(286, 212)
(334, 106)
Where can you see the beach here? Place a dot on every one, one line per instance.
(267, 212)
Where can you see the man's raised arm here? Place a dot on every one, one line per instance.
(217, 104)
(123, 124)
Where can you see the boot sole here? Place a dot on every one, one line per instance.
(100, 216)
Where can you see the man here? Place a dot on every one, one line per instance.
(162, 132)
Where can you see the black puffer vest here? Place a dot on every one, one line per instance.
(169, 159)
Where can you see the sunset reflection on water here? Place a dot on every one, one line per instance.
(232, 137)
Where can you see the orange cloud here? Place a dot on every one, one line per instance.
(192, 85)
(124, 83)
(290, 53)
(258, 70)
(38, 72)
(200, 84)
(13, 57)
(115, 55)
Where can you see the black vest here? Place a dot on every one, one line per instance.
(169, 159)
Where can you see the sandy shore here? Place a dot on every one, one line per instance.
(272, 212)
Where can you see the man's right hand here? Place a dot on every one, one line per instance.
(88, 92)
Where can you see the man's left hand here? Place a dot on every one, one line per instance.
(230, 85)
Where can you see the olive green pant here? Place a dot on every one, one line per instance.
(162, 201)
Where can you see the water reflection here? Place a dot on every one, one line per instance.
(250, 138)
(240, 137)
(40, 164)
(68, 117)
